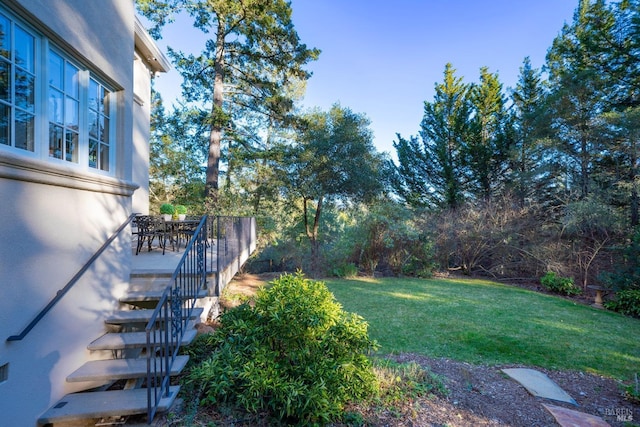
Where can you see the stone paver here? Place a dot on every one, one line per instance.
(539, 385)
(570, 418)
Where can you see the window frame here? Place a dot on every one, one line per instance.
(43, 48)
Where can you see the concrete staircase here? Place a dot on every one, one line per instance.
(122, 393)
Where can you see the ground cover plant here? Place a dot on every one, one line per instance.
(484, 322)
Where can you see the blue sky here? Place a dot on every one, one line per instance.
(383, 58)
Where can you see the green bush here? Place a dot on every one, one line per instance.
(181, 209)
(626, 302)
(346, 271)
(559, 285)
(167, 209)
(295, 355)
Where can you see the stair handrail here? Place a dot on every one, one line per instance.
(71, 282)
(172, 314)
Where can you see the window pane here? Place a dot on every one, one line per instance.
(5, 36)
(104, 157)
(101, 95)
(71, 141)
(71, 111)
(93, 153)
(93, 95)
(24, 130)
(55, 141)
(56, 68)
(104, 134)
(71, 81)
(25, 91)
(25, 49)
(56, 109)
(5, 124)
(5, 81)
(93, 124)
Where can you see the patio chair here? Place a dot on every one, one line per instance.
(187, 230)
(149, 228)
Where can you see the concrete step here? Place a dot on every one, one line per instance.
(140, 316)
(119, 369)
(136, 297)
(98, 404)
(121, 341)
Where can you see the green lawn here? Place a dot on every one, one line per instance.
(483, 322)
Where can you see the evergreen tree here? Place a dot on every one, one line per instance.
(431, 171)
(490, 138)
(242, 71)
(527, 150)
(576, 102)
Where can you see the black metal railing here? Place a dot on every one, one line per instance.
(232, 236)
(165, 330)
(217, 242)
(71, 282)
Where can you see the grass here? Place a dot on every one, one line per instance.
(483, 322)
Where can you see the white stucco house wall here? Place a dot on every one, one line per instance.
(75, 79)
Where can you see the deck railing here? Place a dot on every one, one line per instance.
(171, 317)
(219, 240)
(234, 237)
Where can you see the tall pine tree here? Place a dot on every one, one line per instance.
(241, 72)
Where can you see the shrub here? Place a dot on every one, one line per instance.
(167, 209)
(346, 270)
(296, 355)
(559, 285)
(181, 209)
(626, 302)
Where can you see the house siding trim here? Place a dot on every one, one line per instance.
(37, 171)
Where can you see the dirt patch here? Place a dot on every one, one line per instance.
(485, 396)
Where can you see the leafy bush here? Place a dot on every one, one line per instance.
(296, 355)
(626, 274)
(181, 209)
(560, 285)
(167, 209)
(346, 270)
(626, 302)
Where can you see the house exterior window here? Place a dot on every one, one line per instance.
(64, 108)
(71, 122)
(99, 124)
(17, 85)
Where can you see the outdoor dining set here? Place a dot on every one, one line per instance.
(150, 228)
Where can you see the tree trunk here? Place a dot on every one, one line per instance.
(217, 123)
(312, 234)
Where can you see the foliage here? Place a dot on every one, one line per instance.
(334, 159)
(167, 209)
(400, 382)
(632, 391)
(296, 355)
(496, 238)
(626, 275)
(181, 209)
(431, 170)
(626, 302)
(347, 270)
(559, 285)
(254, 49)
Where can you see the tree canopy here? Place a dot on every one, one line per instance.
(242, 73)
